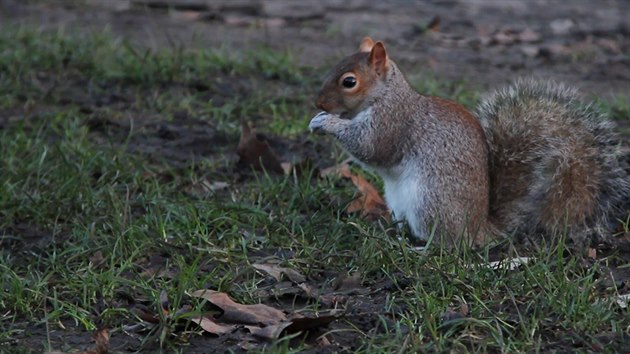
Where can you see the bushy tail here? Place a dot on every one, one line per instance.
(554, 163)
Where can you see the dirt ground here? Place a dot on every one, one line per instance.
(486, 42)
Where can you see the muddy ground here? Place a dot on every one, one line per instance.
(483, 42)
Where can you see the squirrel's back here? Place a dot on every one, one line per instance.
(554, 162)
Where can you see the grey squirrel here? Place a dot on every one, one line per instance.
(532, 160)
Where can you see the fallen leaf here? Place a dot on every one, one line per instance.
(561, 26)
(334, 170)
(504, 37)
(298, 167)
(347, 281)
(101, 346)
(254, 150)
(370, 203)
(248, 344)
(234, 312)
(529, 36)
(323, 341)
(303, 322)
(455, 314)
(205, 188)
(276, 272)
(309, 291)
(434, 24)
(101, 339)
(269, 332)
(211, 326)
(530, 50)
(298, 323)
(286, 167)
(97, 259)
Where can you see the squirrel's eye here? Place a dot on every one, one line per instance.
(349, 82)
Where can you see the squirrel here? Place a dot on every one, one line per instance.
(532, 160)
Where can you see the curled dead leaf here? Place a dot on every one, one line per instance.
(234, 312)
(269, 332)
(209, 325)
(434, 24)
(254, 150)
(101, 340)
(276, 272)
(370, 203)
(298, 323)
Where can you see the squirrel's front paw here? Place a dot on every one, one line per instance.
(318, 123)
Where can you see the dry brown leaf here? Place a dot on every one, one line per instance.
(296, 324)
(101, 345)
(504, 37)
(297, 167)
(309, 291)
(286, 167)
(529, 36)
(234, 312)
(248, 344)
(255, 151)
(370, 204)
(434, 24)
(454, 314)
(276, 272)
(347, 281)
(101, 339)
(323, 341)
(97, 259)
(211, 326)
(269, 332)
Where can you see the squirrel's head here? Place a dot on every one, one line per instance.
(353, 83)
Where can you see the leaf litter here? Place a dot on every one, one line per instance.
(278, 272)
(259, 319)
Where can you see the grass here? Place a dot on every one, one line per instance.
(90, 221)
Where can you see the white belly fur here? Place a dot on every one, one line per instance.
(405, 191)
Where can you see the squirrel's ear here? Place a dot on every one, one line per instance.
(378, 58)
(366, 45)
